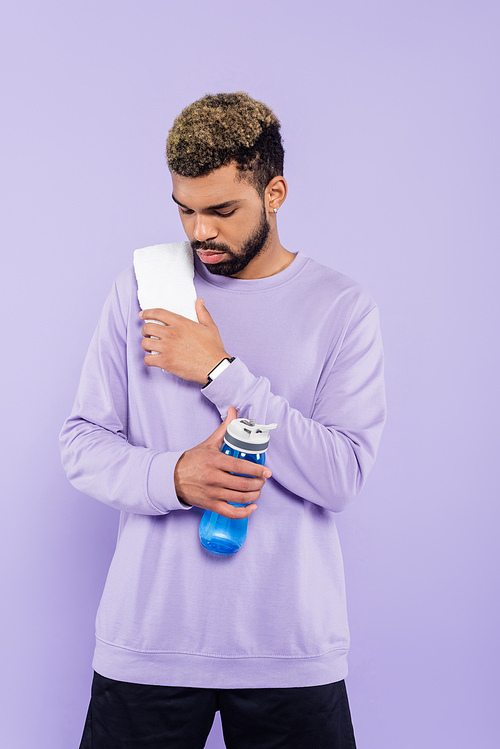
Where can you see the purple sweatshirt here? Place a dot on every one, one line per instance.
(308, 357)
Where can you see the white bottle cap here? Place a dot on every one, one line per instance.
(247, 436)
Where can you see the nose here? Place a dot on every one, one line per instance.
(204, 229)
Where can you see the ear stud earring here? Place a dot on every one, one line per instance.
(275, 210)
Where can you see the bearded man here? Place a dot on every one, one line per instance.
(261, 635)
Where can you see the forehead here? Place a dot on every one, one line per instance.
(220, 186)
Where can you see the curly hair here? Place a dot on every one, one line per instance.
(219, 129)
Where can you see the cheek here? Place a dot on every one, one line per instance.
(235, 232)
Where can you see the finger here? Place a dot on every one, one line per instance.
(231, 415)
(217, 437)
(241, 484)
(151, 360)
(152, 328)
(244, 467)
(160, 315)
(151, 344)
(229, 511)
(204, 316)
(238, 498)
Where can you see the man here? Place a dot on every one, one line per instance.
(261, 635)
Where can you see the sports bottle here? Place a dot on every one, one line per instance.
(247, 440)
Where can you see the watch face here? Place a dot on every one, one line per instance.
(221, 366)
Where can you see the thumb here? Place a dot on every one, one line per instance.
(215, 439)
(204, 316)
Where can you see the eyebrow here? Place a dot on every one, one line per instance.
(217, 207)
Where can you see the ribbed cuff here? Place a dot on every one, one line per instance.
(161, 487)
(231, 387)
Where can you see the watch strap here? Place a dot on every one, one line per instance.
(219, 369)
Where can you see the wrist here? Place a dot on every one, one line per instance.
(219, 368)
(177, 487)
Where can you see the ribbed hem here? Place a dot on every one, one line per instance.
(214, 672)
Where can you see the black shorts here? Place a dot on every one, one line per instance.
(132, 716)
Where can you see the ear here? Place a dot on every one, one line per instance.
(275, 194)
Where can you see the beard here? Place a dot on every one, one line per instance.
(237, 260)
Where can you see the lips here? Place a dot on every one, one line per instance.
(207, 256)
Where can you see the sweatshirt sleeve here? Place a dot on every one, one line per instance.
(326, 456)
(96, 454)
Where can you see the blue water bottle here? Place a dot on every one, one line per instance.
(247, 440)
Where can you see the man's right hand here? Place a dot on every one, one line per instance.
(204, 477)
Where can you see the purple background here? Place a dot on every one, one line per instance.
(391, 121)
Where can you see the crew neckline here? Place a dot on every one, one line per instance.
(252, 284)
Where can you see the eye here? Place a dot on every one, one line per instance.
(224, 214)
(186, 211)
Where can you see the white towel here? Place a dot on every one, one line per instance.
(164, 274)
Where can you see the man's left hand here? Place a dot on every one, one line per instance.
(185, 348)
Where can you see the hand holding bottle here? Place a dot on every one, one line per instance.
(205, 477)
(243, 439)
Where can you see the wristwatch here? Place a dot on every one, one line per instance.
(217, 370)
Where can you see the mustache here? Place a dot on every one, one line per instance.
(209, 246)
